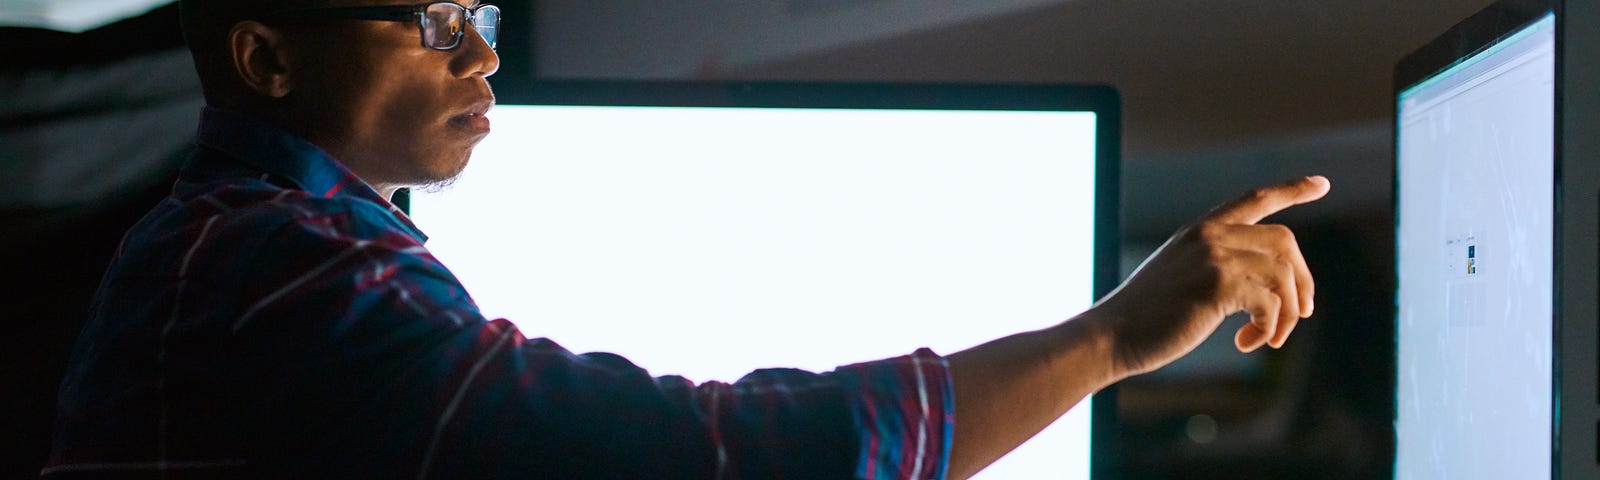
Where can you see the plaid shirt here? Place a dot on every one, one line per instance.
(276, 317)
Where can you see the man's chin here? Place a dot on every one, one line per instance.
(439, 185)
(439, 181)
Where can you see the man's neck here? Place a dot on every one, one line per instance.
(308, 132)
(312, 131)
(386, 191)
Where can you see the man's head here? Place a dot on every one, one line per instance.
(368, 91)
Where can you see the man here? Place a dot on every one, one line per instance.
(276, 316)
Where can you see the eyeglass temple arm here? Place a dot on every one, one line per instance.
(393, 14)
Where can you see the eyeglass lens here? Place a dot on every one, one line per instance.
(443, 23)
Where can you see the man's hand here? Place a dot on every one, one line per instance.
(1226, 262)
(1009, 389)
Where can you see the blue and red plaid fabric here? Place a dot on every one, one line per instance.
(276, 317)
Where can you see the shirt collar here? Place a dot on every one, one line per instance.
(284, 154)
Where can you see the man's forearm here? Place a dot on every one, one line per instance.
(1009, 389)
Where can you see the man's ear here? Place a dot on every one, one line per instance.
(260, 56)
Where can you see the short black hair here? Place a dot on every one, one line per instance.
(206, 23)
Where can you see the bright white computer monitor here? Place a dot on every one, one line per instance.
(1495, 244)
(708, 230)
(1476, 235)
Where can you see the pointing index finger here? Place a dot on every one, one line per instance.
(1265, 201)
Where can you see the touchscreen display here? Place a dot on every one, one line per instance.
(1475, 208)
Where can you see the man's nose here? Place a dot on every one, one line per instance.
(474, 56)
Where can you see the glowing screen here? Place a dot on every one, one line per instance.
(1475, 239)
(709, 242)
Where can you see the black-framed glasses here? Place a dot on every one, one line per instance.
(441, 24)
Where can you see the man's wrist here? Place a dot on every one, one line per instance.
(1093, 333)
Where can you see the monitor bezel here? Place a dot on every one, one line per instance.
(1472, 36)
(1103, 100)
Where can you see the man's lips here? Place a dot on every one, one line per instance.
(475, 117)
(471, 121)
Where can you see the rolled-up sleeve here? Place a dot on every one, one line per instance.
(903, 414)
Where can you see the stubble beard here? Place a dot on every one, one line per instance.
(444, 184)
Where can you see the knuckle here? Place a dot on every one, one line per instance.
(1275, 282)
(1216, 257)
(1273, 275)
(1288, 237)
(1262, 193)
(1285, 266)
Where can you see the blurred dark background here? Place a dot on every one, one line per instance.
(1219, 96)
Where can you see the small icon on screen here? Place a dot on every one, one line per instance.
(1472, 259)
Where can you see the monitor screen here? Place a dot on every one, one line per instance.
(711, 241)
(1475, 233)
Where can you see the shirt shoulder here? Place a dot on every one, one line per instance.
(217, 227)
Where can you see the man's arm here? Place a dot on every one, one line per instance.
(365, 357)
(1009, 389)
(378, 329)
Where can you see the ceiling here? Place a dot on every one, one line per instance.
(1199, 74)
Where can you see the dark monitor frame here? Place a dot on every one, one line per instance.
(1103, 100)
(1471, 36)
(1575, 431)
